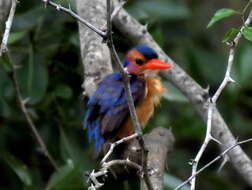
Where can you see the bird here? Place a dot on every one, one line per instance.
(107, 117)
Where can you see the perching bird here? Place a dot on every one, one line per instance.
(107, 118)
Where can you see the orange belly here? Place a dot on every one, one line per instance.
(154, 90)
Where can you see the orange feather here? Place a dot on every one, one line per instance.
(154, 90)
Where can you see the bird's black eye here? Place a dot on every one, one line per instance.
(139, 61)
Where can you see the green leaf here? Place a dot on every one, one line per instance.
(220, 14)
(71, 149)
(60, 176)
(63, 91)
(5, 110)
(6, 62)
(68, 150)
(65, 146)
(15, 36)
(229, 34)
(6, 94)
(33, 78)
(19, 168)
(247, 33)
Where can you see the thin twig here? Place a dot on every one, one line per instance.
(8, 24)
(95, 184)
(115, 12)
(31, 125)
(126, 162)
(206, 141)
(211, 162)
(113, 145)
(77, 17)
(130, 101)
(13, 77)
(138, 35)
(227, 78)
(213, 100)
(117, 9)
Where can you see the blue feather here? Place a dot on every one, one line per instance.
(107, 107)
(148, 52)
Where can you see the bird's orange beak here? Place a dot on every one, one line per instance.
(156, 64)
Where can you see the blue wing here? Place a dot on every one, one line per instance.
(108, 108)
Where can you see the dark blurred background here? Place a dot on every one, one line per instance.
(44, 43)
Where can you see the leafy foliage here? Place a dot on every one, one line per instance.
(247, 32)
(221, 14)
(19, 168)
(229, 34)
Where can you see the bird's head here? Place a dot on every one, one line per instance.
(141, 59)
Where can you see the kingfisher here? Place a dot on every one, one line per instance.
(107, 117)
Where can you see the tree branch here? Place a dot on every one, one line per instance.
(198, 96)
(8, 24)
(95, 184)
(213, 161)
(95, 54)
(31, 125)
(159, 143)
(77, 17)
(130, 101)
(206, 141)
(234, 44)
(113, 145)
(13, 75)
(5, 10)
(212, 101)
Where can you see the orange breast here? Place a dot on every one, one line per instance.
(154, 90)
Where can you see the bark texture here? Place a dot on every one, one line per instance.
(4, 11)
(95, 54)
(198, 96)
(159, 143)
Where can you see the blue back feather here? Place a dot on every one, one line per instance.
(108, 109)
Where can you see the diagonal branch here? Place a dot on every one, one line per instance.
(113, 145)
(198, 96)
(234, 44)
(206, 141)
(213, 161)
(77, 17)
(212, 101)
(13, 76)
(8, 24)
(5, 10)
(95, 184)
(31, 125)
